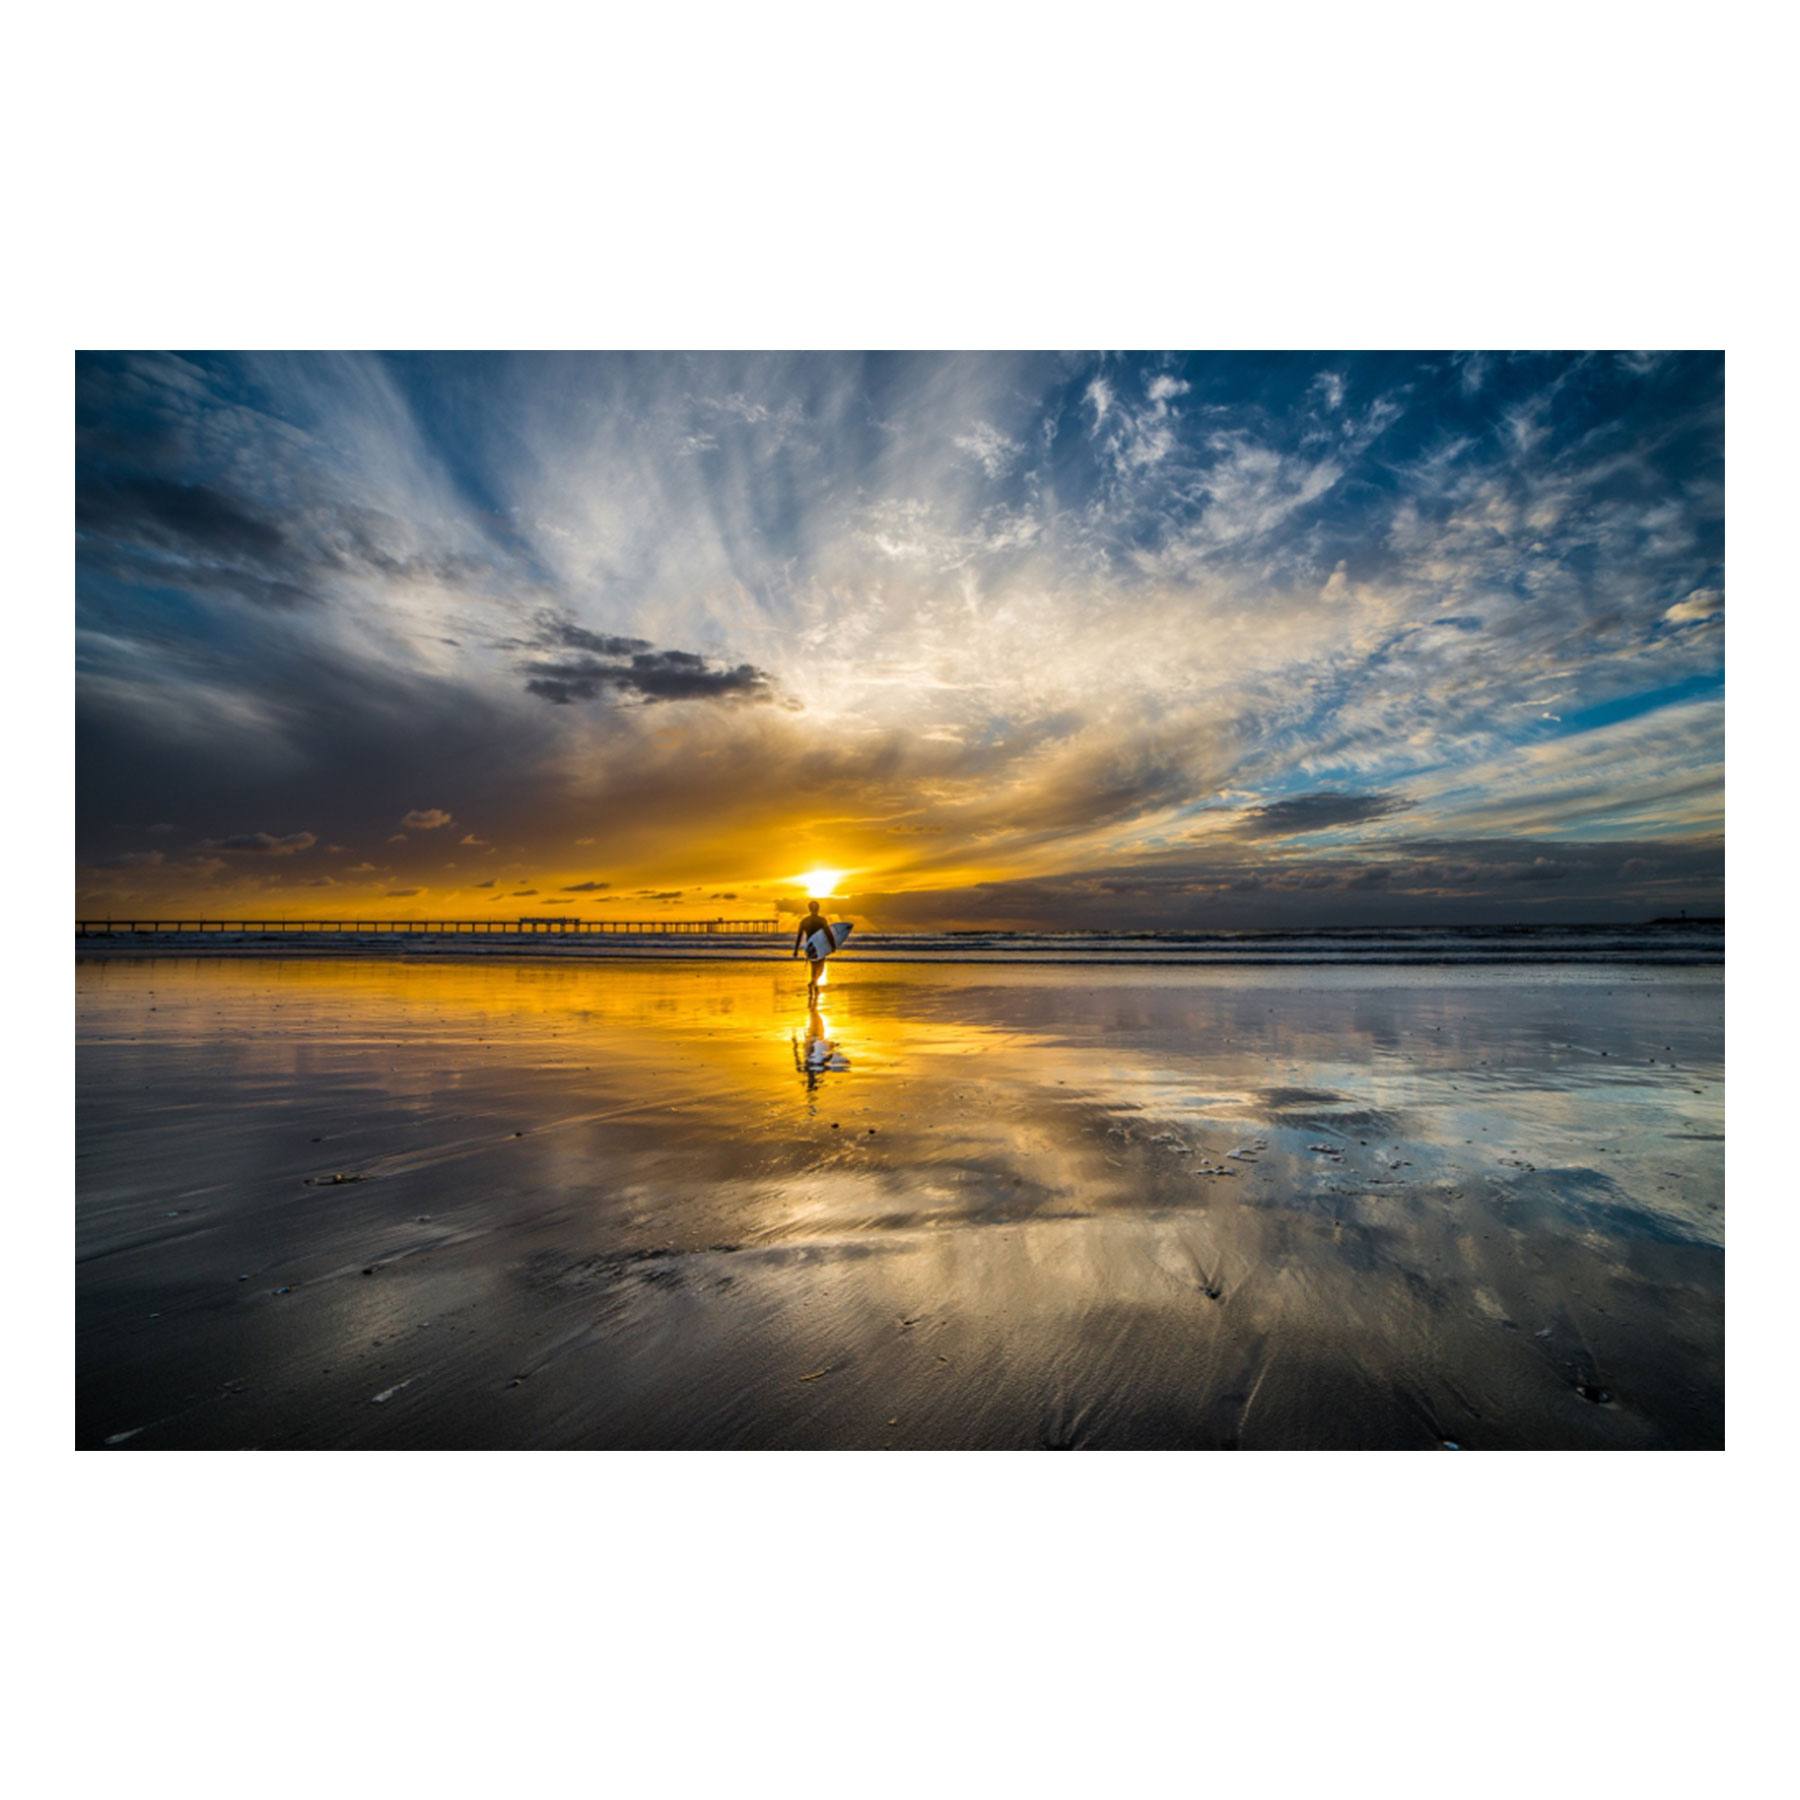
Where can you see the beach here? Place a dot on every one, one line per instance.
(373, 1201)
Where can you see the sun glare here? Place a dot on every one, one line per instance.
(821, 884)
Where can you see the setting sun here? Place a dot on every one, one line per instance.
(821, 884)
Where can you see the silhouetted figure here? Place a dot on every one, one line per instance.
(815, 920)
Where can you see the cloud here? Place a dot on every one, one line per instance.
(154, 513)
(403, 893)
(263, 843)
(1318, 812)
(1701, 604)
(586, 887)
(993, 449)
(647, 675)
(553, 630)
(1251, 489)
(182, 484)
(131, 859)
(628, 667)
(1137, 438)
(1466, 881)
(431, 818)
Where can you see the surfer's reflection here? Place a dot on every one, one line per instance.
(818, 1052)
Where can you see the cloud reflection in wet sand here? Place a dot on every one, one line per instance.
(648, 1206)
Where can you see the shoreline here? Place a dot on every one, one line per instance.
(867, 955)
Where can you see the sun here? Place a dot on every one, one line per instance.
(821, 884)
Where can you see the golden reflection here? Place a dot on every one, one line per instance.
(1045, 1204)
(818, 1051)
(719, 1032)
(1217, 1055)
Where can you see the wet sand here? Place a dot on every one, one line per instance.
(404, 1204)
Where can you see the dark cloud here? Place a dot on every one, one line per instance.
(1318, 812)
(178, 516)
(1540, 868)
(626, 666)
(554, 630)
(1477, 881)
(650, 676)
(131, 859)
(197, 535)
(586, 887)
(318, 734)
(263, 843)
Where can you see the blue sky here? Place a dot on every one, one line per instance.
(1173, 640)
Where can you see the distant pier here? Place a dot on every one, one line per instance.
(425, 928)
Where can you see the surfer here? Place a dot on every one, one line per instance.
(815, 920)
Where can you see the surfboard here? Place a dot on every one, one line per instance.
(818, 945)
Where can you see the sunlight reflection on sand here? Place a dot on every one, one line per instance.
(1005, 1206)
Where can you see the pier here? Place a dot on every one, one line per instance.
(520, 928)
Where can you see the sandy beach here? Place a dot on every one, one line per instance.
(378, 1203)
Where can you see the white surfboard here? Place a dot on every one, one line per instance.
(819, 945)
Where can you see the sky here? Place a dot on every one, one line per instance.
(1033, 641)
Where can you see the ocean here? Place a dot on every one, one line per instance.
(1663, 943)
